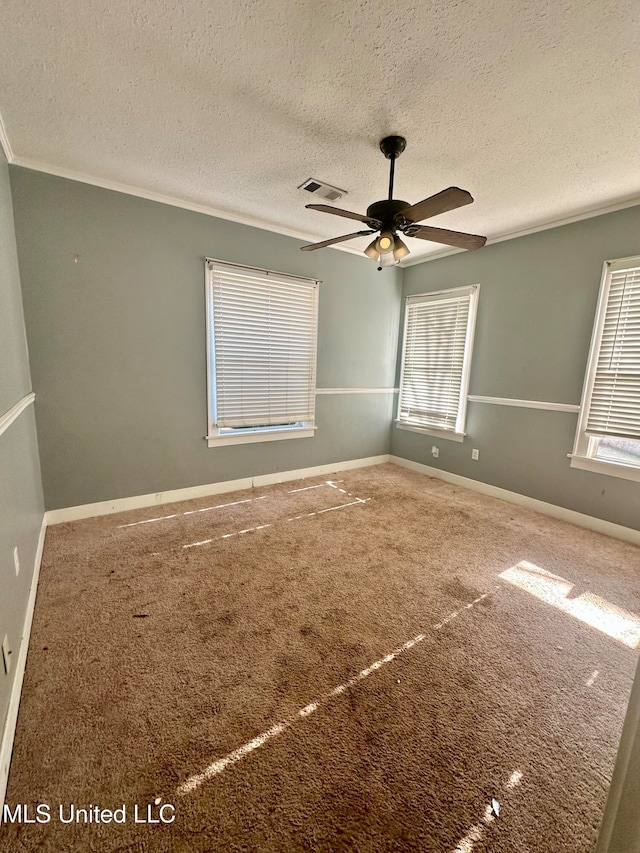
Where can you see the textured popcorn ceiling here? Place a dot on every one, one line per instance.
(532, 106)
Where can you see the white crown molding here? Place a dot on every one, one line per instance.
(172, 201)
(4, 142)
(9, 417)
(255, 222)
(546, 226)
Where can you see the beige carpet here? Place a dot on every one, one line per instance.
(332, 664)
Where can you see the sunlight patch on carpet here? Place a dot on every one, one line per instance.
(355, 502)
(148, 521)
(264, 526)
(192, 512)
(194, 782)
(329, 509)
(475, 832)
(318, 486)
(514, 779)
(589, 608)
(333, 485)
(227, 536)
(222, 506)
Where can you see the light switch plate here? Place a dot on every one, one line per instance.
(6, 654)
(16, 560)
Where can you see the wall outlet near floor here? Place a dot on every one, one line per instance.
(6, 654)
(475, 454)
(16, 560)
(435, 451)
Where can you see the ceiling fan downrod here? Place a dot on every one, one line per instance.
(392, 147)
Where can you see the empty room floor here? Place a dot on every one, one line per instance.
(369, 661)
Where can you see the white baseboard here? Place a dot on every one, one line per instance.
(628, 534)
(74, 513)
(8, 734)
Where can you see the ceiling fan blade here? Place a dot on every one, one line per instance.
(451, 238)
(338, 211)
(324, 243)
(448, 199)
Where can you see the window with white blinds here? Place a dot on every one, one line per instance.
(608, 435)
(262, 340)
(615, 397)
(436, 359)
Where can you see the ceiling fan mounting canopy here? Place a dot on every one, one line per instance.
(393, 146)
(392, 215)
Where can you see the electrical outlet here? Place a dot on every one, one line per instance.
(16, 560)
(6, 654)
(475, 454)
(435, 451)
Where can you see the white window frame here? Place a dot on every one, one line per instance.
(473, 291)
(220, 437)
(585, 446)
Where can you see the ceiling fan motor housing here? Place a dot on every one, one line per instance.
(386, 211)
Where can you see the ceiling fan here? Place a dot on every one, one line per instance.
(392, 215)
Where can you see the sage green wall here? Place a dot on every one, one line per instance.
(21, 504)
(15, 380)
(113, 289)
(114, 304)
(536, 309)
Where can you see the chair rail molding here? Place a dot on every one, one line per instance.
(524, 404)
(9, 417)
(357, 390)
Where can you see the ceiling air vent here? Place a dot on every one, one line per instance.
(319, 188)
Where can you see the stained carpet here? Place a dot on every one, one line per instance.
(374, 661)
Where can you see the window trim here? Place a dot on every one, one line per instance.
(217, 440)
(217, 437)
(580, 456)
(434, 431)
(473, 290)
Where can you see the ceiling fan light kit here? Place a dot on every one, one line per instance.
(384, 243)
(392, 215)
(400, 249)
(372, 250)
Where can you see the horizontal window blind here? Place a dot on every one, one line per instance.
(433, 367)
(615, 398)
(264, 347)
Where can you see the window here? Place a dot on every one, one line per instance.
(436, 359)
(261, 343)
(608, 435)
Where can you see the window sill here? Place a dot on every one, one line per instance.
(599, 466)
(254, 437)
(437, 433)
